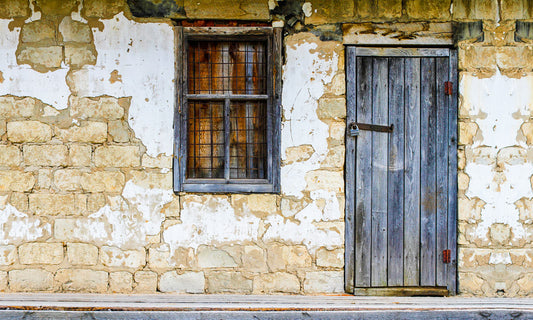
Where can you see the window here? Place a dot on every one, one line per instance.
(228, 119)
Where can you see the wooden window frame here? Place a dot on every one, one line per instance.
(273, 38)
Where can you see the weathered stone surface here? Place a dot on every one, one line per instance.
(470, 283)
(117, 156)
(102, 108)
(57, 8)
(40, 30)
(469, 60)
(41, 58)
(253, 259)
(3, 281)
(228, 282)
(102, 10)
(118, 129)
(188, 282)
(330, 258)
(282, 257)
(516, 9)
(30, 280)
(80, 155)
(160, 162)
(331, 108)
(378, 9)
(276, 282)
(41, 253)
(16, 181)
(428, 9)
(14, 8)
(10, 156)
(324, 282)
(19, 200)
(90, 131)
(473, 10)
(467, 132)
(337, 130)
(462, 181)
(51, 204)
(325, 180)
(214, 258)
(114, 257)
(298, 153)
(44, 179)
(158, 259)
(8, 255)
(103, 181)
(334, 159)
(75, 31)
(120, 282)
(145, 282)
(152, 179)
(16, 108)
(327, 11)
(68, 179)
(82, 254)
(77, 56)
(28, 131)
(240, 9)
(82, 280)
(45, 155)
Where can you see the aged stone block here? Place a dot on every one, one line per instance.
(68, 179)
(337, 130)
(41, 253)
(152, 179)
(331, 108)
(75, 31)
(95, 202)
(188, 282)
(82, 280)
(118, 129)
(378, 9)
(115, 257)
(45, 155)
(103, 181)
(500, 233)
(31, 280)
(102, 108)
(253, 259)
(282, 257)
(325, 180)
(160, 162)
(8, 255)
(19, 200)
(276, 282)
(51, 204)
(14, 8)
(473, 10)
(145, 282)
(470, 283)
(516, 9)
(117, 156)
(20, 108)
(334, 158)
(41, 58)
(428, 9)
(120, 282)
(103, 10)
(327, 11)
(82, 254)
(469, 60)
(80, 155)
(94, 132)
(467, 132)
(79, 55)
(10, 156)
(40, 30)
(158, 259)
(214, 258)
(298, 153)
(324, 282)
(228, 282)
(463, 180)
(239, 9)
(330, 258)
(172, 209)
(28, 131)
(3, 281)
(44, 178)
(16, 181)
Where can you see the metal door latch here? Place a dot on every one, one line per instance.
(355, 127)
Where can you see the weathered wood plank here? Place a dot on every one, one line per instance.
(442, 75)
(403, 52)
(380, 98)
(363, 181)
(395, 182)
(428, 173)
(351, 98)
(411, 253)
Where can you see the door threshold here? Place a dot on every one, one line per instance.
(403, 291)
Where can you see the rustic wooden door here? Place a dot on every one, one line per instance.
(401, 170)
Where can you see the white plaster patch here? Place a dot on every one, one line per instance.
(307, 9)
(143, 55)
(16, 226)
(22, 80)
(499, 105)
(305, 75)
(499, 257)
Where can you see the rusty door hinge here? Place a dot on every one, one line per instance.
(446, 256)
(448, 88)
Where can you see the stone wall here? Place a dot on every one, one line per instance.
(86, 107)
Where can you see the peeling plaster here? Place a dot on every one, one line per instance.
(17, 227)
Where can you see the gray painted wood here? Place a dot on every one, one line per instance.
(411, 254)
(395, 188)
(363, 182)
(428, 172)
(380, 99)
(403, 52)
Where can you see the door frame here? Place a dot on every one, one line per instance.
(351, 52)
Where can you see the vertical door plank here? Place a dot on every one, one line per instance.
(396, 172)
(452, 176)
(442, 169)
(363, 178)
(412, 173)
(428, 173)
(380, 99)
(349, 249)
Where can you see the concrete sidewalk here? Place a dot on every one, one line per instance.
(98, 306)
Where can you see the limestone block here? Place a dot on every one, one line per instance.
(516, 9)
(278, 282)
(3, 281)
(145, 282)
(330, 258)
(79, 55)
(41, 58)
(117, 156)
(298, 153)
(66, 229)
(115, 257)
(95, 202)
(325, 180)
(102, 9)
(19, 200)
(282, 257)
(51, 204)
(68, 179)
(45, 155)
(500, 233)
(40, 30)
(120, 282)
(30, 280)
(337, 130)
(20, 108)
(384, 9)
(8, 255)
(253, 259)
(90, 131)
(158, 259)
(214, 258)
(428, 9)
(228, 282)
(188, 282)
(75, 31)
(224, 10)
(470, 283)
(60, 8)
(152, 179)
(469, 60)
(44, 178)
(2, 128)
(28, 131)
(474, 10)
(525, 284)
(16, 181)
(463, 180)
(172, 209)
(327, 11)
(80, 155)
(103, 108)
(334, 158)
(10, 156)
(473, 257)
(82, 254)
(14, 8)
(82, 280)
(103, 181)
(331, 108)
(41, 253)
(118, 129)
(160, 162)
(324, 282)
(467, 132)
